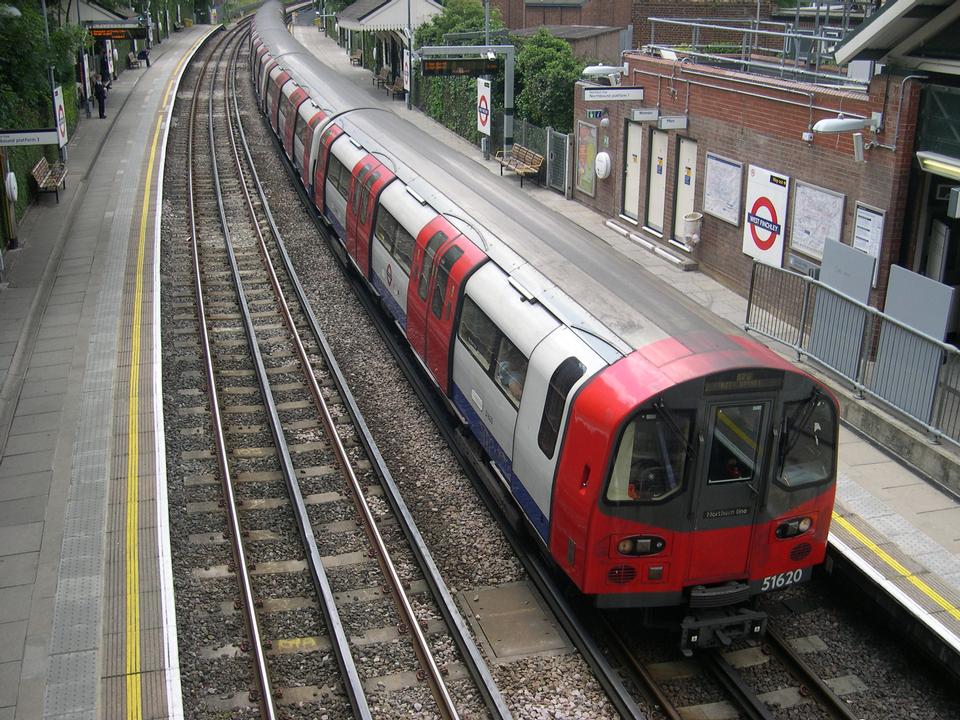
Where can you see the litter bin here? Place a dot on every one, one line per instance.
(691, 227)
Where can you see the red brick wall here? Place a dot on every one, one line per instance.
(764, 131)
(615, 13)
(689, 10)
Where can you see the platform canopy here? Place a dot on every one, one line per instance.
(373, 15)
(918, 34)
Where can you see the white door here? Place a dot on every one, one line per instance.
(632, 171)
(657, 184)
(686, 182)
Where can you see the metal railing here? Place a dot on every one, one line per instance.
(905, 370)
(554, 146)
(768, 48)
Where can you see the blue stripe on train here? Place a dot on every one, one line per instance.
(490, 444)
(337, 227)
(390, 301)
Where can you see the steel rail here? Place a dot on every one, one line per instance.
(473, 659)
(809, 680)
(642, 678)
(421, 647)
(240, 560)
(746, 699)
(341, 643)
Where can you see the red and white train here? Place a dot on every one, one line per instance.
(662, 461)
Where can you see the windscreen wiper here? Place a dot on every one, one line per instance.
(664, 412)
(799, 419)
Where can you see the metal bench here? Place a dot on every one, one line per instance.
(49, 177)
(132, 60)
(356, 57)
(397, 90)
(521, 160)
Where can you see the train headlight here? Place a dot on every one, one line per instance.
(641, 545)
(796, 526)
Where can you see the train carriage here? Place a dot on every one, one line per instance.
(663, 461)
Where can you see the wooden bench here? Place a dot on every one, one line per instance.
(177, 27)
(521, 160)
(381, 78)
(49, 177)
(132, 60)
(397, 90)
(356, 57)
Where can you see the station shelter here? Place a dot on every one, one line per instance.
(378, 28)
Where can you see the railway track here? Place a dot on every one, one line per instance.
(294, 462)
(731, 676)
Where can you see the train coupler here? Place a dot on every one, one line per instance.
(720, 628)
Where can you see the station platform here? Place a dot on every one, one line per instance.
(87, 627)
(898, 524)
(86, 601)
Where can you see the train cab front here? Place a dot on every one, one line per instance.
(700, 496)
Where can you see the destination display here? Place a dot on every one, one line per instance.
(118, 32)
(463, 67)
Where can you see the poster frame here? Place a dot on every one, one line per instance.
(795, 215)
(706, 184)
(587, 170)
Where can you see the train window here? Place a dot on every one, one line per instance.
(386, 228)
(478, 333)
(651, 459)
(511, 371)
(426, 267)
(358, 190)
(367, 189)
(338, 176)
(562, 380)
(403, 249)
(735, 446)
(447, 262)
(807, 442)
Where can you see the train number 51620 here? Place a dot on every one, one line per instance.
(776, 582)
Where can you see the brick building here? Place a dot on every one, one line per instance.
(641, 10)
(534, 13)
(733, 122)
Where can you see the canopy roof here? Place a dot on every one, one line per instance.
(374, 15)
(917, 34)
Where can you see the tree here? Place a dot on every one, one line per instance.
(548, 72)
(457, 16)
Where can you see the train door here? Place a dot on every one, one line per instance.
(657, 181)
(686, 184)
(305, 133)
(366, 186)
(296, 99)
(327, 138)
(452, 266)
(432, 239)
(730, 487)
(632, 171)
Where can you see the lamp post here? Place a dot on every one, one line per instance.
(410, 56)
(53, 101)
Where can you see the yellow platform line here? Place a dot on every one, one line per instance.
(134, 701)
(898, 567)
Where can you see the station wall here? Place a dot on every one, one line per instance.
(758, 121)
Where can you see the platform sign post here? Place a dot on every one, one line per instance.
(765, 215)
(61, 115)
(483, 106)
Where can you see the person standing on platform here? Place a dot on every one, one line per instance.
(100, 93)
(144, 55)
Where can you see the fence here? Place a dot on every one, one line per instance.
(554, 146)
(910, 372)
